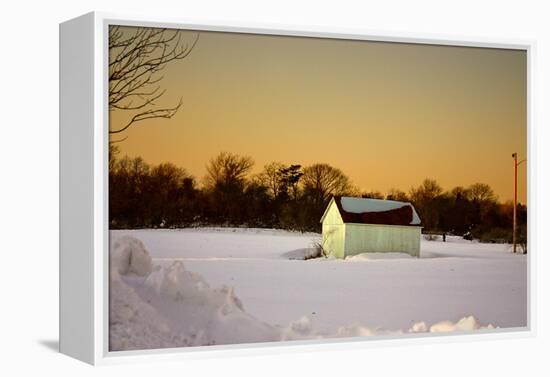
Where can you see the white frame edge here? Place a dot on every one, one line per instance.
(84, 190)
(76, 179)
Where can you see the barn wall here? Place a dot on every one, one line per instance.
(333, 232)
(361, 238)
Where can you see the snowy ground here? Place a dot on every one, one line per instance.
(222, 286)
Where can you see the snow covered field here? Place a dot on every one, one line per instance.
(222, 286)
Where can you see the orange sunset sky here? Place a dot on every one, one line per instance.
(387, 114)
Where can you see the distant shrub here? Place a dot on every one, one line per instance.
(496, 235)
(430, 237)
(318, 251)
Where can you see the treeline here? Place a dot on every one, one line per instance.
(281, 196)
(473, 211)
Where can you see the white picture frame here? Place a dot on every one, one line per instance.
(84, 190)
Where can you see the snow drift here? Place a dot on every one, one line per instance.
(128, 255)
(160, 306)
(378, 256)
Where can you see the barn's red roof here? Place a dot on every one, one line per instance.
(376, 211)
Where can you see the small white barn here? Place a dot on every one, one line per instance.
(358, 225)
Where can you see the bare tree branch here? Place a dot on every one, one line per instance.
(136, 57)
(149, 114)
(118, 140)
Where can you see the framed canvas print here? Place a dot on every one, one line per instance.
(225, 188)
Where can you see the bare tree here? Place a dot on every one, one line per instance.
(426, 192)
(137, 56)
(482, 193)
(484, 199)
(426, 201)
(270, 177)
(114, 151)
(396, 194)
(227, 168)
(323, 180)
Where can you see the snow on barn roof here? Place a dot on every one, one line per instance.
(375, 211)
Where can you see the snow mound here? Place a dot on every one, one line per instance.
(377, 256)
(128, 255)
(299, 329)
(174, 282)
(353, 331)
(134, 324)
(174, 307)
(419, 327)
(469, 323)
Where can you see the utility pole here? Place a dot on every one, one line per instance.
(514, 230)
